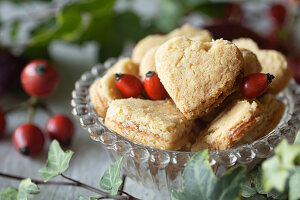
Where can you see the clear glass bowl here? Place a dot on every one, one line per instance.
(162, 169)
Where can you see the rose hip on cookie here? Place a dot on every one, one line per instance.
(154, 87)
(254, 85)
(39, 78)
(129, 84)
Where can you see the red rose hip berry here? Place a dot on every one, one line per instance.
(254, 85)
(28, 139)
(61, 128)
(278, 12)
(129, 85)
(2, 123)
(154, 87)
(39, 78)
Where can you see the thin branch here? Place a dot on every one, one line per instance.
(18, 106)
(74, 183)
(88, 187)
(38, 182)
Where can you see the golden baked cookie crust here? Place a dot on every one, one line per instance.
(230, 126)
(198, 75)
(153, 123)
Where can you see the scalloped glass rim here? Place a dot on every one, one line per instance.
(244, 154)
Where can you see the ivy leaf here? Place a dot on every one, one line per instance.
(258, 181)
(229, 185)
(27, 187)
(198, 177)
(273, 175)
(58, 161)
(9, 194)
(257, 197)
(247, 189)
(81, 198)
(288, 154)
(277, 195)
(199, 181)
(277, 169)
(294, 185)
(111, 179)
(93, 198)
(177, 195)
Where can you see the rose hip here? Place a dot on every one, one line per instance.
(28, 139)
(154, 87)
(61, 128)
(254, 85)
(129, 85)
(39, 78)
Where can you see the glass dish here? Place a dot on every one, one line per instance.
(162, 169)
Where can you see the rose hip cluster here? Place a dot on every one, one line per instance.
(131, 86)
(39, 79)
(252, 86)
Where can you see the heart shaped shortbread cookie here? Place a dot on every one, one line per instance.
(198, 75)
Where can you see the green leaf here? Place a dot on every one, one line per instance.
(81, 198)
(198, 177)
(215, 10)
(258, 181)
(58, 161)
(294, 185)
(277, 195)
(15, 29)
(297, 139)
(71, 24)
(274, 176)
(169, 15)
(199, 181)
(27, 187)
(93, 198)
(277, 169)
(288, 154)
(229, 185)
(111, 179)
(9, 194)
(247, 189)
(177, 195)
(257, 197)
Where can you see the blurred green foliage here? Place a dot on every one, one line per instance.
(82, 21)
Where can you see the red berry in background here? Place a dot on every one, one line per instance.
(154, 87)
(233, 12)
(10, 70)
(254, 85)
(61, 128)
(2, 123)
(278, 12)
(28, 139)
(294, 63)
(39, 78)
(129, 85)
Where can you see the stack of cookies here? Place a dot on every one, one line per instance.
(204, 107)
